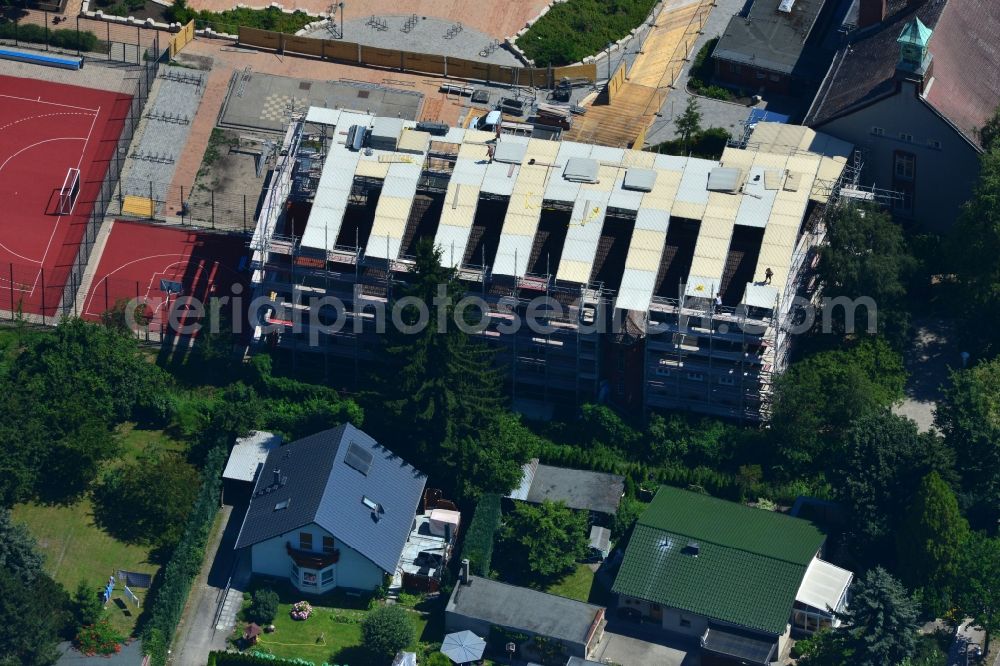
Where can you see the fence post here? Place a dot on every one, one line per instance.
(105, 293)
(78, 50)
(213, 209)
(42, 270)
(152, 204)
(11, 291)
(108, 42)
(182, 205)
(45, 12)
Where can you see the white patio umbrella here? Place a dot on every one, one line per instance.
(463, 647)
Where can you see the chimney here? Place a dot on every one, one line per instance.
(463, 574)
(871, 12)
(277, 477)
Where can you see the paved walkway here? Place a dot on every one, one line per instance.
(654, 68)
(927, 365)
(428, 35)
(200, 630)
(714, 113)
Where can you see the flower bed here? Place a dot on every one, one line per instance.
(301, 611)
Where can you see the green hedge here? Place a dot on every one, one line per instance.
(573, 30)
(229, 21)
(478, 546)
(35, 34)
(185, 562)
(243, 658)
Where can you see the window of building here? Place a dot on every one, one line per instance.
(328, 544)
(727, 381)
(908, 138)
(775, 78)
(685, 622)
(934, 143)
(904, 204)
(905, 165)
(878, 131)
(309, 578)
(761, 75)
(696, 376)
(327, 576)
(305, 541)
(735, 68)
(621, 388)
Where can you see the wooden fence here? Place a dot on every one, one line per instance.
(418, 63)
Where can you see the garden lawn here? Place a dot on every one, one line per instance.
(75, 549)
(136, 440)
(332, 634)
(576, 585)
(575, 29)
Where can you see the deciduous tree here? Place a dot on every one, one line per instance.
(969, 417)
(544, 541)
(978, 583)
(875, 474)
(866, 255)
(929, 542)
(387, 630)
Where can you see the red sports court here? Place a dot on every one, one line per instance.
(46, 131)
(161, 265)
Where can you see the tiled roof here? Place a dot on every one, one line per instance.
(863, 70)
(966, 64)
(966, 49)
(747, 570)
(318, 486)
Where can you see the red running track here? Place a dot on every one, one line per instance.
(140, 259)
(45, 129)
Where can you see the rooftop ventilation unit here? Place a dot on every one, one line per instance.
(725, 179)
(581, 170)
(639, 180)
(358, 458)
(356, 137)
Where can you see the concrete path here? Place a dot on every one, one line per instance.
(202, 629)
(714, 113)
(927, 365)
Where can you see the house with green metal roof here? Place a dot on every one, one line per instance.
(738, 579)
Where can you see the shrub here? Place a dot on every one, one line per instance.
(264, 606)
(387, 630)
(87, 606)
(35, 34)
(575, 29)
(99, 638)
(478, 548)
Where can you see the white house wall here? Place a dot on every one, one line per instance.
(353, 570)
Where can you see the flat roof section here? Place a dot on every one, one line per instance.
(524, 609)
(394, 207)
(461, 201)
(768, 38)
(525, 208)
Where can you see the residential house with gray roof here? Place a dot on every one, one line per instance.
(740, 580)
(911, 89)
(331, 510)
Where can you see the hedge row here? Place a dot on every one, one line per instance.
(185, 562)
(35, 34)
(218, 658)
(478, 548)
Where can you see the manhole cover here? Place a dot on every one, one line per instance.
(305, 85)
(363, 94)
